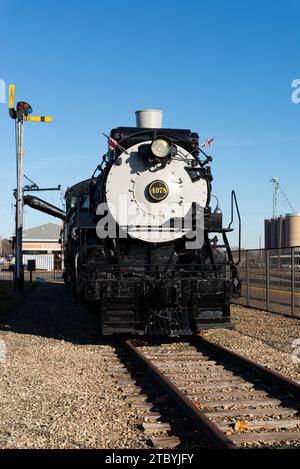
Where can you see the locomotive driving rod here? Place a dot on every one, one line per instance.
(42, 206)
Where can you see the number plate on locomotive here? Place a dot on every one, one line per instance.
(158, 190)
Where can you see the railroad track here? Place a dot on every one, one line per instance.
(228, 400)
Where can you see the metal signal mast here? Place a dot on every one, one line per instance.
(21, 113)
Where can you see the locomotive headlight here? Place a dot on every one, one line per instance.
(161, 147)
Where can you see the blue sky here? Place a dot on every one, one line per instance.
(219, 68)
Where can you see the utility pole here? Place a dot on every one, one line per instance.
(19, 274)
(20, 114)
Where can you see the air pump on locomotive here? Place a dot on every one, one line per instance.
(141, 240)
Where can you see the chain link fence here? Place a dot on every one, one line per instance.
(271, 280)
(43, 273)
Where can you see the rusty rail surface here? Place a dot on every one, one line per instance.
(211, 432)
(200, 420)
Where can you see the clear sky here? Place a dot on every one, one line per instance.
(221, 68)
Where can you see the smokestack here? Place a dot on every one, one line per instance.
(149, 118)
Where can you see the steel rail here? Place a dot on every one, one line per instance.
(208, 429)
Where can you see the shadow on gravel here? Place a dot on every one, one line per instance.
(50, 311)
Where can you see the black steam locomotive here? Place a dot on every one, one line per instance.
(141, 243)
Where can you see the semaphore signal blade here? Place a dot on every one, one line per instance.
(11, 92)
(38, 118)
(11, 101)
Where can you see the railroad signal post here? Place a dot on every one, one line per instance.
(21, 113)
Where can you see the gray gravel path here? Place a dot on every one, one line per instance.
(56, 391)
(264, 337)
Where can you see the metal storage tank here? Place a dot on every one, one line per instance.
(274, 233)
(283, 234)
(280, 232)
(292, 229)
(268, 234)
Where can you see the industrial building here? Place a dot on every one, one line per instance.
(41, 243)
(6, 248)
(282, 231)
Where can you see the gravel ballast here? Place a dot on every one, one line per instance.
(56, 391)
(264, 337)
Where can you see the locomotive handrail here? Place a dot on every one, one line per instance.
(234, 199)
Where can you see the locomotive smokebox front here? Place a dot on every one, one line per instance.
(154, 179)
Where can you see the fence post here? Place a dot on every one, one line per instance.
(247, 280)
(267, 280)
(293, 280)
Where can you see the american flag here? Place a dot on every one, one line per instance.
(112, 143)
(207, 142)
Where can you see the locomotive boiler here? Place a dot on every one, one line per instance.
(142, 245)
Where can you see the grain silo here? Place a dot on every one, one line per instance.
(268, 234)
(292, 230)
(281, 238)
(282, 232)
(274, 233)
